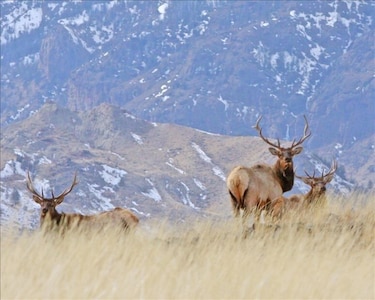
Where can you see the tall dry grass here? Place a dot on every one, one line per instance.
(309, 256)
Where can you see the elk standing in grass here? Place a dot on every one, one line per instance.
(253, 188)
(316, 197)
(50, 216)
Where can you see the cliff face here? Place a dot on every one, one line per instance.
(59, 55)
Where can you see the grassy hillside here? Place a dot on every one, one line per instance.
(311, 256)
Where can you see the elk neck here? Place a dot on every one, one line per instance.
(312, 198)
(284, 176)
(52, 216)
(67, 220)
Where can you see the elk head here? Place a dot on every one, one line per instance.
(284, 165)
(48, 205)
(318, 184)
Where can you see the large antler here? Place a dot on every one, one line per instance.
(306, 134)
(31, 188)
(68, 190)
(328, 177)
(325, 177)
(257, 127)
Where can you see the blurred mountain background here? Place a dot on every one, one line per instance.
(163, 95)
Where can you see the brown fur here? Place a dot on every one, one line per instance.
(119, 217)
(254, 188)
(50, 217)
(315, 197)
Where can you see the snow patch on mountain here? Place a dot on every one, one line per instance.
(137, 138)
(170, 163)
(23, 211)
(152, 193)
(216, 169)
(185, 197)
(19, 112)
(199, 184)
(21, 20)
(225, 102)
(162, 9)
(201, 153)
(111, 175)
(102, 201)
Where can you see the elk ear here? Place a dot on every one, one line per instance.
(274, 151)
(37, 200)
(297, 150)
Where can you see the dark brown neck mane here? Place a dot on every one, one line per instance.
(285, 177)
(62, 219)
(54, 217)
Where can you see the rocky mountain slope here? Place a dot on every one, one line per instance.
(210, 65)
(156, 170)
(176, 61)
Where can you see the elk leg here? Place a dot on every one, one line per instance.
(235, 205)
(277, 207)
(251, 211)
(248, 222)
(249, 219)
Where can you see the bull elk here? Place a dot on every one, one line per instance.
(315, 197)
(49, 215)
(253, 188)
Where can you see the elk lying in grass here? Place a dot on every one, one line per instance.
(49, 216)
(316, 197)
(253, 188)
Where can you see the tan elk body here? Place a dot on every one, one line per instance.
(314, 198)
(254, 188)
(49, 216)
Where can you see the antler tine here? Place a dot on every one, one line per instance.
(278, 143)
(334, 165)
(68, 190)
(257, 128)
(30, 186)
(28, 183)
(306, 133)
(308, 179)
(310, 176)
(323, 175)
(332, 169)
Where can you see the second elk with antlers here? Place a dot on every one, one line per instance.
(49, 216)
(254, 188)
(314, 198)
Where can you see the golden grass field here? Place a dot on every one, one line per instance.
(307, 257)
